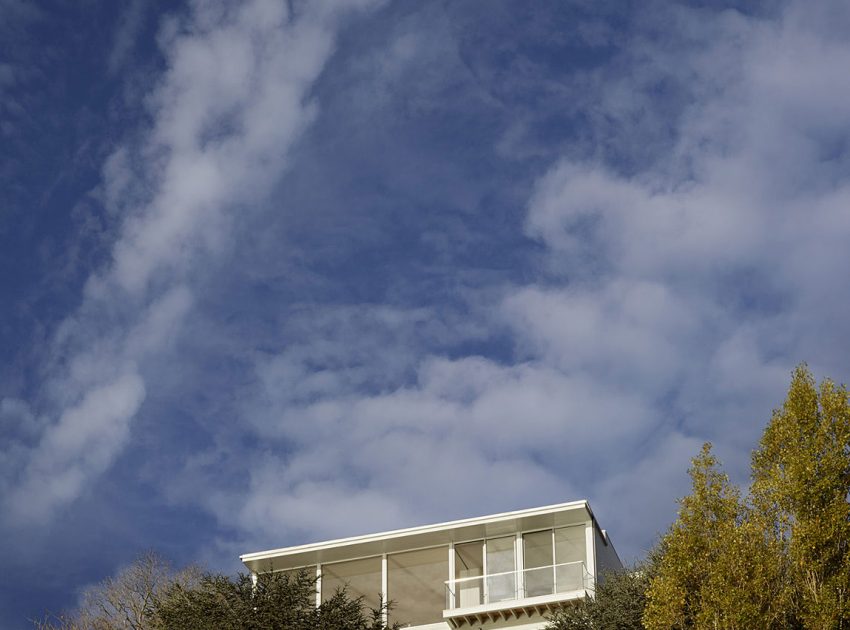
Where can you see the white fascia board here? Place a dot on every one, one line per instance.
(313, 552)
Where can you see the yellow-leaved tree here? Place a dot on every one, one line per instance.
(781, 558)
(716, 568)
(801, 481)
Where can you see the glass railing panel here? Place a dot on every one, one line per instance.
(569, 577)
(501, 587)
(468, 592)
(539, 581)
(514, 585)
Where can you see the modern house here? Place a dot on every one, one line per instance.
(499, 571)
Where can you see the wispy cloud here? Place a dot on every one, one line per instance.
(232, 102)
(378, 268)
(671, 302)
(130, 24)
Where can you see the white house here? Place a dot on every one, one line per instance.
(499, 571)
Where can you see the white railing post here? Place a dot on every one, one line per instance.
(485, 588)
(590, 547)
(318, 584)
(450, 594)
(384, 590)
(520, 565)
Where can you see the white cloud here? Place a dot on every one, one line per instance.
(725, 260)
(81, 444)
(674, 296)
(674, 301)
(233, 100)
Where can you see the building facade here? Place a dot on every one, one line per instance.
(500, 571)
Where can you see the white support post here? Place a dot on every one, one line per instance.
(254, 579)
(450, 596)
(485, 588)
(554, 564)
(318, 584)
(519, 561)
(384, 589)
(590, 545)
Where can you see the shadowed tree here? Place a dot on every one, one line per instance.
(147, 595)
(278, 601)
(618, 603)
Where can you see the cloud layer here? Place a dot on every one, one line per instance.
(231, 103)
(369, 266)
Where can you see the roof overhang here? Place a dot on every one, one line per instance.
(560, 515)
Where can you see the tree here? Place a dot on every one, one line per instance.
(618, 603)
(148, 595)
(125, 601)
(780, 559)
(277, 601)
(801, 482)
(679, 595)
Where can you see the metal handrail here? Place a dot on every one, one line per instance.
(519, 586)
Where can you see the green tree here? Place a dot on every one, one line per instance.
(149, 595)
(277, 601)
(618, 603)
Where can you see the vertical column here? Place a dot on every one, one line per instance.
(590, 547)
(254, 579)
(384, 588)
(485, 588)
(451, 597)
(318, 584)
(520, 566)
(554, 564)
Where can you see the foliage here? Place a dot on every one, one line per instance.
(801, 482)
(125, 601)
(716, 569)
(148, 595)
(277, 601)
(618, 603)
(778, 559)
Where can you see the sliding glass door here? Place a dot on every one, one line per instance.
(537, 555)
(485, 572)
(501, 569)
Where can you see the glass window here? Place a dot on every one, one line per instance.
(360, 577)
(416, 585)
(501, 567)
(469, 569)
(570, 557)
(538, 574)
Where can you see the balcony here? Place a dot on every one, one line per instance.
(514, 594)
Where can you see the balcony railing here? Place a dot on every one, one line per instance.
(514, 585)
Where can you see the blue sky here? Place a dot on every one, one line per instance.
(276, 272)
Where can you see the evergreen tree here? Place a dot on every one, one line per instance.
(618, 603)
(278, 601)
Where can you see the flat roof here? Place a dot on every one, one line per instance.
(559, 515)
